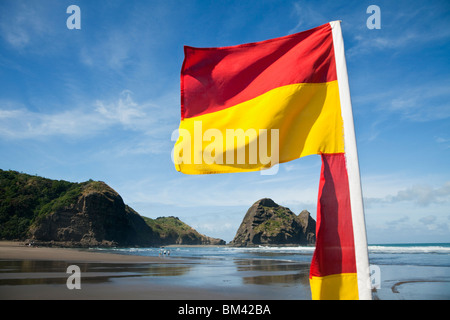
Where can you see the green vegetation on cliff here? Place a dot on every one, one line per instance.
(173, 230)
(81, 214)
(24, 199)
(268, 223)
(280, 219)
(167, 225)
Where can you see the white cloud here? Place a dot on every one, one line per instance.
(124, 111)
(31, 26)
(232, 190)
(399, 221)
(425, 103)
(444, 142)
(411, 228)
(112, 52)
(410, 103)
(21, 24)
(421, 195)
(428, 220)
(402, 28)
(307, 17)
(25, 124)
(18, 122)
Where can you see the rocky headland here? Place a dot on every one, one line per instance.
(267, 223)
(92, 214)
(88, 214)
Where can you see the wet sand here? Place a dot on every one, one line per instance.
(18, 251)
(29, 273)
(407, 282)
(40, 273)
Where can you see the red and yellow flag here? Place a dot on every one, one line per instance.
(251, 106)
(333, 268)
(278, 95)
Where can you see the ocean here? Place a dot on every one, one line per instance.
(419, 271)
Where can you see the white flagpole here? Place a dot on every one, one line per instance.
(351, 156)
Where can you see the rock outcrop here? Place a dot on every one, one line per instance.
(87, 214)
(97, 217)
(267, 223)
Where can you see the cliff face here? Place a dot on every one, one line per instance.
(88, 214)
(97, 217)
(267, 223)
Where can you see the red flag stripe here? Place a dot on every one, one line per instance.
(335, 250)
(213, 79)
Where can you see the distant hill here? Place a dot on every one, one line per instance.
(172, 230)
(58, 212)
(267, 223)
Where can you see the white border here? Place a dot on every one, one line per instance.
(351, 156)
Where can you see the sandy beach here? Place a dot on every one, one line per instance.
(203, 273)
(10, 250)
(40, 273)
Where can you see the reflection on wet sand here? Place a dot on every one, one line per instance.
(267, 272)
(290, 279)
(203, 279)
(27, 272)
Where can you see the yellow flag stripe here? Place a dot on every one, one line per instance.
(343, 286)
(306, 119)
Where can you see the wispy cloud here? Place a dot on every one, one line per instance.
(402, 28)
(18, 122)
(210, 191)
(124, 111)
(112, 52)
(30, 26)
(399, 221)
(432, 223)
(21, 25)
(405, 101)
(421, 195)
(306, 17)
(25, 124)
(425, 103)
(443, 141)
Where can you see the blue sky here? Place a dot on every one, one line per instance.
(102, 102)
